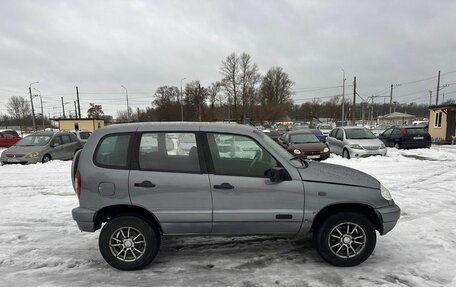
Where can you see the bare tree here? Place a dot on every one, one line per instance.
(230, 71)
(249, 77)
(18, 108)
(195, 98)
(275, 94)
(213, 92)
(167, 105)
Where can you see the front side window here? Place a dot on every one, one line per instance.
(176, 152)
(438, 120)
(387, 132)
(65, 139)
(112, 151)
(239, 155)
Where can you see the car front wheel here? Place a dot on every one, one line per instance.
(345, 239)
(128, 243)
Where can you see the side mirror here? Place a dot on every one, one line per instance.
(276, 174)
(54, 144)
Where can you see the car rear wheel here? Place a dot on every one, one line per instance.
(346, 154)
(345, 239)
(46, 158)
(128, 243)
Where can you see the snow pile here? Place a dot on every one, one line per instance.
(40, 244)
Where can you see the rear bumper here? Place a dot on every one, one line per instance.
(85, 218)
(388, 217)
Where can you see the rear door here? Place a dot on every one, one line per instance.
(245, 201)
(57, 150)
(172, 185)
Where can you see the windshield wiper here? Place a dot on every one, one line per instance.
(301, 160)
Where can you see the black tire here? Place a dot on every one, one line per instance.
(111, 235)
(345, 153)
(336, 255)
(46, 158)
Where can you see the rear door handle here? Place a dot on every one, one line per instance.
(224, 185)
(145, 183)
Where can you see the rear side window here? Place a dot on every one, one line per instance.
(177, 152)
(84, 135)
(73, 138)
(112, 151)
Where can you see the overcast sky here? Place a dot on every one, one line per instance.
(101, 45)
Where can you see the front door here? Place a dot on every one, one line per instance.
(245, 201)
(172, 183)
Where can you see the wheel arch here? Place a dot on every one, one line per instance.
(361, 208)
(109, 212)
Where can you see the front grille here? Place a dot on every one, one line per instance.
(15, 155)
(371, 147)
(311, 152)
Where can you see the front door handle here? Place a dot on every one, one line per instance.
(145, 183)
(224, 185)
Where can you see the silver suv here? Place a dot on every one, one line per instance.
(234, 180)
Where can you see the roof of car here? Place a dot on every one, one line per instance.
(352, 128)
(179, 126)
(303, 131)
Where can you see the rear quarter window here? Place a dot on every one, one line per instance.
(112, 151)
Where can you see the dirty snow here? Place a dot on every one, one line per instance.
(40, 244)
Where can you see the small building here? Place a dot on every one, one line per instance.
(84, 124)
(396, 118)
(442, 123)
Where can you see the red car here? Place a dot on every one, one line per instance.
(304, 144)
(8, 138)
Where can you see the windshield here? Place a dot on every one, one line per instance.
(34, 140)
(283, 153)
(303, 138)
(359, 134)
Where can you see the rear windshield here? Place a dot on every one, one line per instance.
(415, 131)
(359, 134)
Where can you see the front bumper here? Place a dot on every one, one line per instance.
(20, 160)
(388, 217)
(366, 153)
(85, 218)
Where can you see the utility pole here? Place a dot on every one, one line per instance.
(391, 98)
(75, 109)
(128, 106)
(372, 112)
(31, 102)
(430, 97)
(343, 97)
(63, 107)
(438, 88)
(443, 98)
(41, 101)
(354, 102)
(79, 104)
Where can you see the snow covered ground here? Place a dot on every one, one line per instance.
(40, 244)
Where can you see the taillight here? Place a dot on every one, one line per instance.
(77, 183)
(404, 131)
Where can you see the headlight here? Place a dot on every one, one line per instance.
(33, 154)
(297, 151)
(385, 192)
(356, 146)
(325, 149)
(382, 146)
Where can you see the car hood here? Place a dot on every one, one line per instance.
(365, 142)
(23, 149)
(308, 146)
(337, 174)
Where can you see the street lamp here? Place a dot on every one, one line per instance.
(128, 107)
(182, 107)
(343, 96)
(41, 100)
(31, 102)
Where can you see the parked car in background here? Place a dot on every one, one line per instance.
(137, 195)
(83, 136)
(406, 137)
(304, 144)
(273, 134)
(8, 138)
(355, 142)
(42, 147)
(325, 128)
(379, 129)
